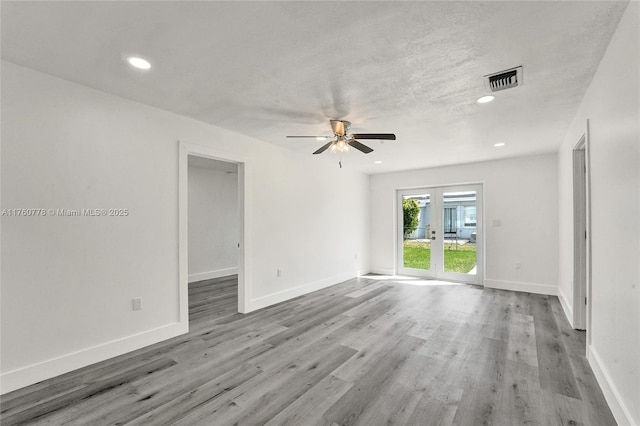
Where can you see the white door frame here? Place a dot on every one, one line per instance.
(436, 220)
(582, 236)
(186, 149)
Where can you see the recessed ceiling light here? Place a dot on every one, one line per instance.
(377, 162)
(321, 138)
(485, 99)
(499, 144)
(138, 62)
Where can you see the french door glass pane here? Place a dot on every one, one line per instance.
(459, 220)
(417, 231)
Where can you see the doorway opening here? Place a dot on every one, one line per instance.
(229, 246)
(580, 236)
(213, 236)
(440, 233)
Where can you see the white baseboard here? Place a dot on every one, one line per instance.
(611, 394)
(382, 271)
(566, 307)
(35, 373)
(281, 296)
(547, 289)
(212, 274)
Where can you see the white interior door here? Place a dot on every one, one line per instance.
(445, 240)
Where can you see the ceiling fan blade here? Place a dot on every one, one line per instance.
(381, 136)
(323, 148)
(314, 137)
(360, 147)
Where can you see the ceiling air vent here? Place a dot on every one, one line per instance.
(504, 79)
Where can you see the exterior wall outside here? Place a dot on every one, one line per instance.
(462, 232)
(423, 231)
(424, 227)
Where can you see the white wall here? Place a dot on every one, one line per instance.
(213, 221)
(521, 193)
(611, 105)
(312, 224)
(67, 282)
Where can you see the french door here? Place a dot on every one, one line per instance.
(440, 233)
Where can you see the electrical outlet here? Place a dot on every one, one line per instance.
(518, 265)
(137, 304)
(496, 223)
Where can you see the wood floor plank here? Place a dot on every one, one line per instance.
(591, 394)
(370, 351)
(556, 372)
(435, 408)
(481, 396)
(186, 407)
(393, 406)
(86, 392)
(309, 408)
(365, 290)
(261, 404)
(521, 341)
(323, 335)
(97, 410)
(377, 379)
(363, 352)
(448, 341)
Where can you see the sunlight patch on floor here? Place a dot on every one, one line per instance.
(410, 280)
(389, 277)
(421, 282)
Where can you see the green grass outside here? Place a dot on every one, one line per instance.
(418, 255)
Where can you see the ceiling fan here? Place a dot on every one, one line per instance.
(343, 139)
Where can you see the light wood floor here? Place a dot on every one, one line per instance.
(364, 352)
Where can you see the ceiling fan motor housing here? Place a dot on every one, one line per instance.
(340, 127)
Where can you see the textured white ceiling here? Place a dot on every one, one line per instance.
(270, 69)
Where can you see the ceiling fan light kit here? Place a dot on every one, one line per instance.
(343, 140)
(340, 145)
